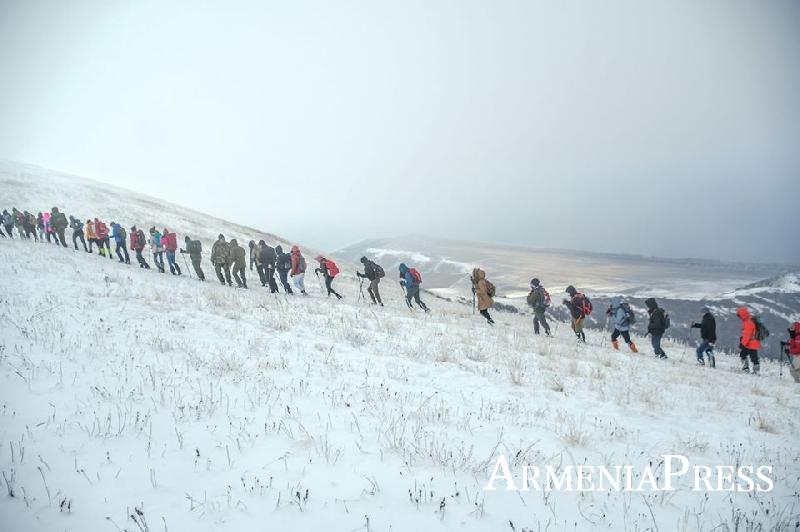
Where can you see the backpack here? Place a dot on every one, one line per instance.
(333, 269)
(379, 273)
(584, 304)
(121, 233)
(415, 275)
(194, 247)
(284, 262)
(490, 288)
(630, 316)
(545, 296)
(761, 330)
(667, 323)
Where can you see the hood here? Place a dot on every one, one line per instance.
(651, 303)
(403, 268)
(743, 313)
(262, 243)
(187, 238)
(234, 242)
(616, 301)
(55, 210)
(319, 258)
(363, 260)
(279, 250)
(478, 274)
(795, 328)
(295, 249)
(252, 243)
(571, 290)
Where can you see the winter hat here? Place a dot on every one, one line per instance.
(252, 243)
(534, 282)
(187, 238)
(221, 237)
(295, 249)
(319, 258)
(571, 290)
(262, 243)
(363, 260)
(133, 228)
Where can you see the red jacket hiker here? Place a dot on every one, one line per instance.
(748, 338)
(101, 229)
(794, 343)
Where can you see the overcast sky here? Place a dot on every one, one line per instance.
(664, 128)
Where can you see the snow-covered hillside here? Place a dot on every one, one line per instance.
(131, 400)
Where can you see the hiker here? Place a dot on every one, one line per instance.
(410, 279)
(169, 241)
(622, 317)
(59, 223)
(253, 255)
(657, 326)
(137, 245)
(266, 259)
(8, 223)
(708, 337)
(30, 225)
(539, 300)
(40, 226)
(19, 221)
(329, 270)
(373, 273)
(195, 250)
(120, 237)
(48, 230)
(238, 263)
(91, 236)
(260, 267)
(748, 341)
(579, 307)
(101, 230)
(77, 233)
(792, 350)
(220, 258)
(298, 271)
(156, 249)
(283, 263)
(485, 291)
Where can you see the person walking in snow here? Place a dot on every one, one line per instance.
(579, 307)
(156, 249)
(329, 270)
(103, 242)
(40, 227)
(30, 226)
(195, 250)
(91, 236)
(622, 317)
(8, 223)
(410, 279)
(169, 241)
(59, 223)
(138, 242)
(539, 300)
(748, 341)
(253, 249)
(373, 273)
(792, 350)
(220, 258)
(298, 271)
(238, 263)
(266, 258)
(656, 326)
(120, 237)
(283, 264)
(77, 233)
(259, 254)
(48, 229)
(708, 337)
(485, 291)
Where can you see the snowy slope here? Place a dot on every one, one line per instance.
(210, 408)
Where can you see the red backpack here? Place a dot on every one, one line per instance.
(333, 269)
(415, 275)
(583, 304)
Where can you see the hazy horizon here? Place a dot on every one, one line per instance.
(667, 130)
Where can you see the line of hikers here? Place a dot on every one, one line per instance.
(229, 259)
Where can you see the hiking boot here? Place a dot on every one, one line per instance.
(756, 367)
(711, 361)
(701, 362)
(633, 347)
(662, 356)
(615, 344)
(745, 367)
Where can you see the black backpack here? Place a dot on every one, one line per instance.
(284, 262)
(629, 314)
(379, 273)
(761, 330)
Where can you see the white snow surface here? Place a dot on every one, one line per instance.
(210, 408)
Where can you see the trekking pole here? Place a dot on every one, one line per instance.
(360, 290)
(321, 287)
(186, 264)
